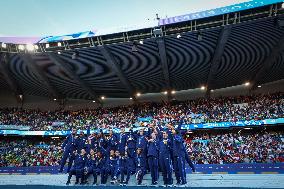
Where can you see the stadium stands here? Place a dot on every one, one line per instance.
(237, 148)
(231, 147)
(22, 153)
(255, 107)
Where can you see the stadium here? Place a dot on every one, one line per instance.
(194, 100)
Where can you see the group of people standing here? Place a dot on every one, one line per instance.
(120, 155)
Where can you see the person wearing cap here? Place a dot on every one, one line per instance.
(68, 146)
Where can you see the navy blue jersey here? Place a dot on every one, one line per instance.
(165, 147)
(70, 142)
(80, 161)
(153, 148)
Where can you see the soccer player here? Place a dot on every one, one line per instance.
(68, 146)
(153, 153)
(165, 149)
(80, 163)
(92, 168)
(140, 163)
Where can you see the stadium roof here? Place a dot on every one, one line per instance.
(238, 51)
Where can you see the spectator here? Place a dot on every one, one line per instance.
(18, 153)
(223, 109)
(227, 148)
(236, 148)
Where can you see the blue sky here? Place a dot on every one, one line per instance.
(59, 17)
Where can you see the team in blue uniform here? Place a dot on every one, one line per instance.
(124, 154)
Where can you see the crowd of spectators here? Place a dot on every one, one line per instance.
(206, 149)
(256, 147)
(265, 147)
(24, 153)
(255, 107)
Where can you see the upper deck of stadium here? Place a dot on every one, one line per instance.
(179, 53)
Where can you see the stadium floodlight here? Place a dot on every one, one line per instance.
(59, 44)
(102, 97)
(30, 47)
(157, 32)
(47, 45)
(157, 16)
(202, 87)
(178, 36)
(138, 94)
(259, 86)
(4, 45)
(173, 92)
(21, 47)
(247, 84)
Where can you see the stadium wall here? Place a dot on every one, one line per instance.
(276, 86)
(194, 181)
(238, 168)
